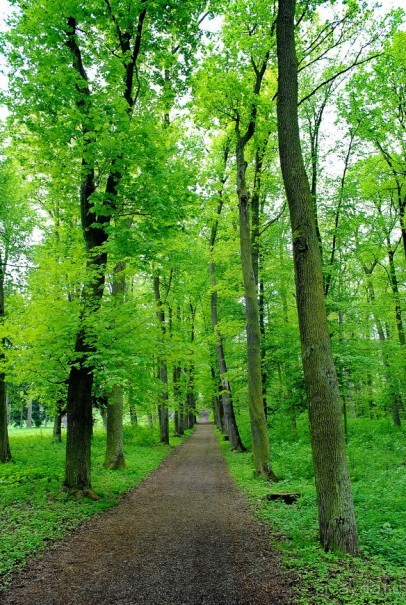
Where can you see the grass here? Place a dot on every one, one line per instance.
(34, 513)
(377, 457)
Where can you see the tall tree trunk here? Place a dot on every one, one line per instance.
(132, 408)
(259, 431)
(57, 428)
(5, 453)
(80, 381)
(257, 259)
(216, 401)
(190, 391)
(335, 504)
(395, 291)
(114, 457)
(225, 392)
(179, 424)
(29, 414)
(162, 366)
(230, 423)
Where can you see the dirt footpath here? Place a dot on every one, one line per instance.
(185, 536)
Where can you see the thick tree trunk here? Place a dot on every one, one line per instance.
(79, 425)
(80, 381)
(259, 431)
(335, 504)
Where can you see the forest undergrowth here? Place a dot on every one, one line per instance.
(377, 456)
(33, 510)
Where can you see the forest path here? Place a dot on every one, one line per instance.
(184, 536)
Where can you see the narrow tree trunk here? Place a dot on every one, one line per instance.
(133, 415)
(225, 392)
(179, 426)
(395, 291)
(162, 367)
(114, 458)
(259, 431)
(29, 415)
(335, 504)
(22, 410)
(228, 420)
(57, 428)
(5, 453)
(257, 255)
(191, 402)
(103, 414)
(216, 401)
(132, 408)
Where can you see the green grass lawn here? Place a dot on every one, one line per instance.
(33, 512)
(377, 456)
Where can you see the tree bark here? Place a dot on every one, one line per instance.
(132, 408)
(162, 366)
(259, 431)
(179, 420)
(257, 258)
(190, 391)
(230, 422)
(29, 415)
(5, 452)
(216, 401)
(396, 296)
(80, 381)
(57, 428)
(335, 504)
(114, 457)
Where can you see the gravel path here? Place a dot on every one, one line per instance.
(185, 536)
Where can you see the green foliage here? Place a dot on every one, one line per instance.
(377, 455)
(32, 510)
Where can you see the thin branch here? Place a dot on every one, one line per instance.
(274, 220)
(341, 72)
(119, 33)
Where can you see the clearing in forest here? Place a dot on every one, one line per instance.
(185, 536)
